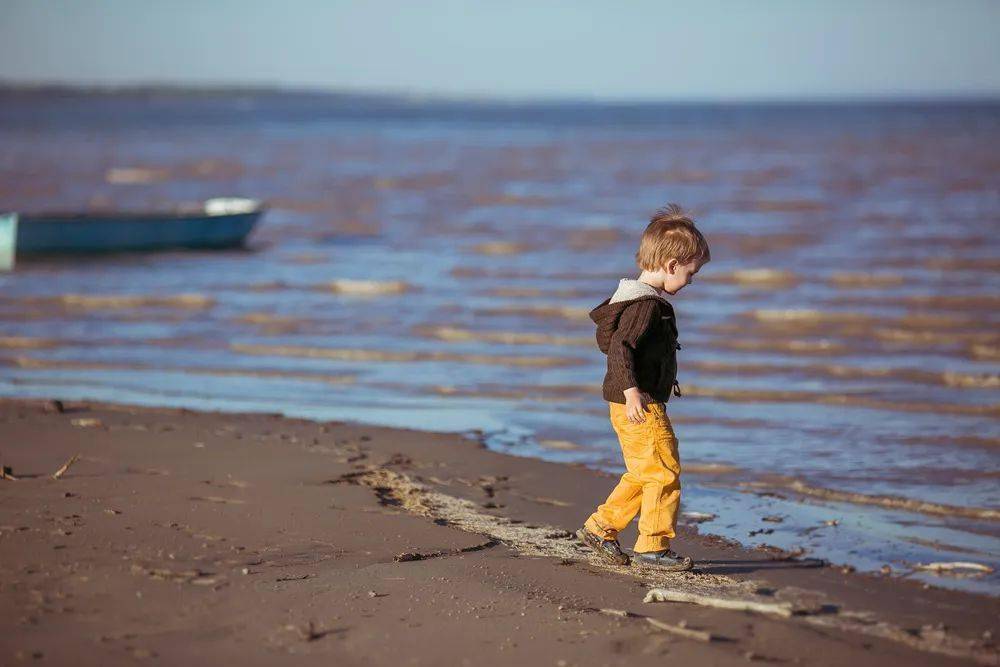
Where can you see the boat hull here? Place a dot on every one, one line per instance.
(93, 234)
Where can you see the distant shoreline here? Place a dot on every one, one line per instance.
(416, 98)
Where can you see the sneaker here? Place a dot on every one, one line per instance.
(667, 559)
(609, 550)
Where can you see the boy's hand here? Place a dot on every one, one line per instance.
(635, 406)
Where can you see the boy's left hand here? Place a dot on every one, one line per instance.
(635, 405)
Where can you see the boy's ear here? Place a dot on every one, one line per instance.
(671, 266)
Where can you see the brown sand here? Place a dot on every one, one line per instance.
(205, 538)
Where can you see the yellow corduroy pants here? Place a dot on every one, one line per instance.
(651, 485)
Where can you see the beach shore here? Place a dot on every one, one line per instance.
(181, 537)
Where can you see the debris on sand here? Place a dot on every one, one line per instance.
(195, 576)
(86, 422)
(959, 568)
(682, 630)
(62, 471)
(679, 628)
(698, 517)
(783, 609)
(621, 613)
(408, 556)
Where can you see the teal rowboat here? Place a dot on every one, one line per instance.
(216, 223)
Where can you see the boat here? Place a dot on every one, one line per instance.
(223, 222)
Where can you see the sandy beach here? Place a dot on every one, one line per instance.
(180, 537)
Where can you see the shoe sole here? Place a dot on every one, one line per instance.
(605, 556)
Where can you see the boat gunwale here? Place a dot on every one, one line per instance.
(176, 214)
(131, 216)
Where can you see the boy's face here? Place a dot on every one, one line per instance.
(676, 275)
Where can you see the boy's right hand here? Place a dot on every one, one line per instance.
(635, 408)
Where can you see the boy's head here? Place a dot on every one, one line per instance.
(672, 248)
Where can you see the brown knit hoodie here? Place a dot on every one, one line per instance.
(636, 328)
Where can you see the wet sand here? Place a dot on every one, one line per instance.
(205, 538)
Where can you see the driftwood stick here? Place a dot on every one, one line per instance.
(666, 595)
(682, 631)
(7, 473)
(59, 473)
(621, 613)
(945, 567)
(679, 629)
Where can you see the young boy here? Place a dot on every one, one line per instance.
(636, 328)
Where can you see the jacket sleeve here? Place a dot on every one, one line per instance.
(635, 321)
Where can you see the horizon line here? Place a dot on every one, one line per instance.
(413, 96)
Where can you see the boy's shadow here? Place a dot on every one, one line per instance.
(747, 566)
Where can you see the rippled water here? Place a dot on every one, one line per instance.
(432, 266)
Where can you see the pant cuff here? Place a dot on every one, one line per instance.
(647, 543)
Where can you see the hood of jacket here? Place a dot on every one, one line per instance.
(607, 314)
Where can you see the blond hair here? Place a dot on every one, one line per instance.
(671, 233)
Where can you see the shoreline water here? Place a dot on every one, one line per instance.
(243, 535)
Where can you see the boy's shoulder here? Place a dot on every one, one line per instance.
(631, 299)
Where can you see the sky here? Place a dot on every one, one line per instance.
(520, 49)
